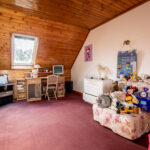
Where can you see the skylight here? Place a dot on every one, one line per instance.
(24, 50)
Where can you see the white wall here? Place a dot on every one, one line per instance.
(107, 40)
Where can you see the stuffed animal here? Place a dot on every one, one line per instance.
(144, 100)
(130, 105)
(134, 76)
(127, 108)
(130, 90)
(104, 101)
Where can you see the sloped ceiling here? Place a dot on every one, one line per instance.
(61, 25)
(84, 13)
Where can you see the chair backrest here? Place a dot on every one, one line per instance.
(52, 80)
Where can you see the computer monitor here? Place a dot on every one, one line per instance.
(58, 69)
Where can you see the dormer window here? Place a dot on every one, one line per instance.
(24, 49)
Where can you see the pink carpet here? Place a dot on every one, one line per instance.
(65, 124)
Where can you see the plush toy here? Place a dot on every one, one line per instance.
(130, 98)
(104, 101)
(127, 108)
(134, 76)
(130, 105)
(144, 100)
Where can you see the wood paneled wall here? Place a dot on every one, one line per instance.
(58, 43)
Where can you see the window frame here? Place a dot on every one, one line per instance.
(25, 65)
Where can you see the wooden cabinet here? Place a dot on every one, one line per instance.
(33, 89)
(61, 86)
(21, 89)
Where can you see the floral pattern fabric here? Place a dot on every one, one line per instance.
(130, 126)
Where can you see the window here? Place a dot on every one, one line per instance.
(24, 50)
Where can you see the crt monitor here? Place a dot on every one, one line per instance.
(58, 69)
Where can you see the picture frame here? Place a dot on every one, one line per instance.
(88, 53)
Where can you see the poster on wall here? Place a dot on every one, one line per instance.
(127, 63)
(88, 53)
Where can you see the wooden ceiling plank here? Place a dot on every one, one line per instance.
(121, 13)
(85, 14)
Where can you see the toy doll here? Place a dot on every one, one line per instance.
(144, 100)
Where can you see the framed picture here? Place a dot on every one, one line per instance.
(127, 63)
(88, 53)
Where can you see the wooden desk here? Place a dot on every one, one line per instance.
(36, 88)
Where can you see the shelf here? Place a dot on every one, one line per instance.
(21, 89)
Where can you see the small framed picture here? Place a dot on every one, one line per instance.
(88, 53)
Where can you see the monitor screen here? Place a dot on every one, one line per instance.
(58, 69)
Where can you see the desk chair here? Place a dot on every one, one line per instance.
(52, 82)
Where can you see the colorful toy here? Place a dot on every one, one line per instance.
(144, 100)
(127, 109)
(129, 95)
(134, 76)
(130, 105)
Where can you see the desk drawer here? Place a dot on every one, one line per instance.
(34, 81)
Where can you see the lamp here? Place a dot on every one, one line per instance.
(37, 67)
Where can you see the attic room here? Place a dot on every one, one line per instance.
(74, 74)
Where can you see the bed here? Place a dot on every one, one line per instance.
(130, 126)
